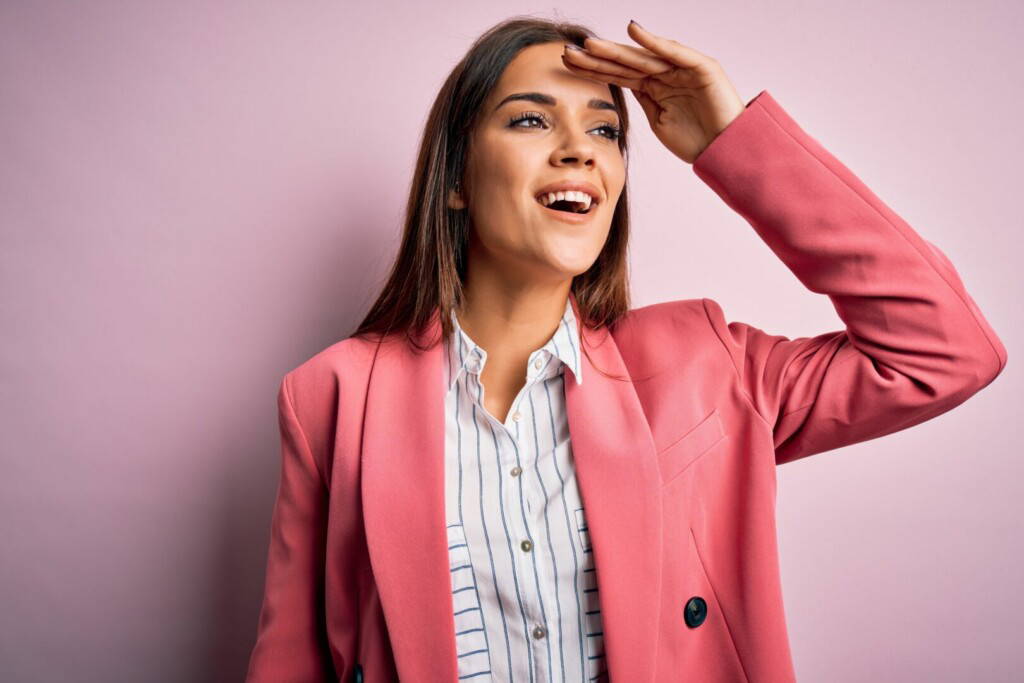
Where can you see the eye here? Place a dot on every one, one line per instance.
(614, 132)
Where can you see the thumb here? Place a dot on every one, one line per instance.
(649, 106)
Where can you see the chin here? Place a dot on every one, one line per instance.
(571, 267)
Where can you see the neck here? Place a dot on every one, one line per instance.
(510, 322)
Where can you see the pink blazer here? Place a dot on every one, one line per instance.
(676, 468)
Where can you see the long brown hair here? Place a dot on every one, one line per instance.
(427, 276)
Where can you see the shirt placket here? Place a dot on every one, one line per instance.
(524, 490)
(528, 491)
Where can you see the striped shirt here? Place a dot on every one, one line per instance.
(524, 590)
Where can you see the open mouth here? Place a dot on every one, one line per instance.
(567, 205)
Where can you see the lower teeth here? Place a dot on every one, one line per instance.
(570, 210)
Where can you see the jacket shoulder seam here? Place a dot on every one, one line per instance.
(302, 433)
(732, 362)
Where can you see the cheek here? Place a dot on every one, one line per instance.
(501, 169)
(498, 230)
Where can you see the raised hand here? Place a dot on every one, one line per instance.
(686, 95)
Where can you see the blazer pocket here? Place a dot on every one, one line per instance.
(687, 449)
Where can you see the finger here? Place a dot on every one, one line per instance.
(602, 77)
(634, 58)
(674, 51)
(588, 60)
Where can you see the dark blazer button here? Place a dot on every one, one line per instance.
(357, 674)
(695, 611)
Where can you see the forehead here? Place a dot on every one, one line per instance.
(540, 68)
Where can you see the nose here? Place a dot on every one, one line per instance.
(576, 150)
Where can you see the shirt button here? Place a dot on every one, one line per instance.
(538, 363)
(516, 416)
(516, 471)
(526, 545)
(539, 631)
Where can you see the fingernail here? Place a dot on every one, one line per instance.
(571, 46)
(634, 21)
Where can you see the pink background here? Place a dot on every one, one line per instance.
(196, 197)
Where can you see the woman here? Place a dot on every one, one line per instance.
(429, 530)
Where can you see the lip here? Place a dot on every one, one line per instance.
(566, 186)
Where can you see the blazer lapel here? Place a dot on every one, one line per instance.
(618, 478)
(404, 512)
(403, 506)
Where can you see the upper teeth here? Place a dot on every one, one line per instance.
(572, 196)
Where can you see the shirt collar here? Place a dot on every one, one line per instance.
(562, 349)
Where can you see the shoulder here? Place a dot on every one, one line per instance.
(667, 318)
(317, 385)
(341, 357)
(646, 333)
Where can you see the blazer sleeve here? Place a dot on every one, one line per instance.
(915, 343)
(291, 642)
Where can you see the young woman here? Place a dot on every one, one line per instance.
(605, 508)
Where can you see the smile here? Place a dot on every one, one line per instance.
(569, 216)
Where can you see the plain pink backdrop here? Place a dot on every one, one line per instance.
(194, 198)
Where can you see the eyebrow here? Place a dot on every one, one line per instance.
(543, 98)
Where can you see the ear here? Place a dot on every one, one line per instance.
(455, 200)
